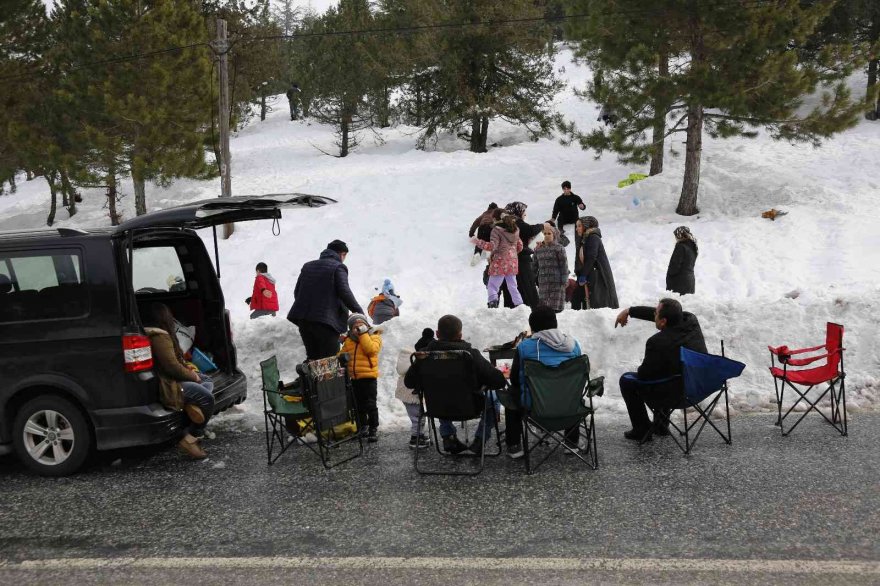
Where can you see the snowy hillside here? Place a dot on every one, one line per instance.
(405, 214)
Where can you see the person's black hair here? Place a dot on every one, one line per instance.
(448, 328)
(542, 318)
(262, 268)
(338, 246)
(671, 311)
(427, 337)
(493, 206)
(566, 184)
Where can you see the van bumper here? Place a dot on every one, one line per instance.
(154, 424)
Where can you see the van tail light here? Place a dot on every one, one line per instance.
(228, 325)
(138, 355)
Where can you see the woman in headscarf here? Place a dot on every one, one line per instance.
(680, 274)
(595, 280)
(525, 279)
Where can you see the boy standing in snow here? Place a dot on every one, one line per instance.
(362, 346)
(566, 207)
(385, 305)
(264, 299)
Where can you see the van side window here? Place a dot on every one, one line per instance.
(42, 286)
(157, 269)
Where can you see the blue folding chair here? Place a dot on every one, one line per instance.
(704, 375)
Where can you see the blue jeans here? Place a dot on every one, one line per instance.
(484, 428)
(200, 394)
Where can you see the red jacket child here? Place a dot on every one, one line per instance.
(264, 297)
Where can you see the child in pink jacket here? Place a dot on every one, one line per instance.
(505, 244)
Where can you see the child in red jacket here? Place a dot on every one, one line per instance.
(264, 299)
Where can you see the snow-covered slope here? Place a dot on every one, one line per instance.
(405, 213)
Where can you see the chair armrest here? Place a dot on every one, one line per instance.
(810, 360)
(596, 387)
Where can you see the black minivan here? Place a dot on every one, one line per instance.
(75, 365)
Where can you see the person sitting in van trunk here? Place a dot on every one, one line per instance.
(362, 346)
(180, 387)
(264, 299)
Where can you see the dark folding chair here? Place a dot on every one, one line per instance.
(277, 409)
(446, 383)
(831, 373)
(557, 399)
(328, 396)
(704, 375)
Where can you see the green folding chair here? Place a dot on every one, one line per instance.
(277, 410)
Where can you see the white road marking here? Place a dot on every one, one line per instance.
(813, 567)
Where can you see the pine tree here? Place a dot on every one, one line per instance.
(737, 68)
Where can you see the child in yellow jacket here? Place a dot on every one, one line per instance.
(362, 347)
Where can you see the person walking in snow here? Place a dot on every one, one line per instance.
(362, 344)
(525, 278)
(417, 440)
(595, 281)
(551, 266)
(482, 228)
(566, 207)
(322, 300)
(680, 274)
(504, 243)
(385, 305)
(264, 299)
(292, 98)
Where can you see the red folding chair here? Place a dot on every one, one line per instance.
(831, 373)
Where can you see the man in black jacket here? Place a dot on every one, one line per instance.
(322, 300)
(449, 338)
(658, 383)
(566, 207)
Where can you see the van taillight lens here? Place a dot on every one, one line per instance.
(138, 355)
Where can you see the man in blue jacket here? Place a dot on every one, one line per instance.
(322, 300)
(548, 346)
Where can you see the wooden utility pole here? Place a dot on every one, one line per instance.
(221, 47)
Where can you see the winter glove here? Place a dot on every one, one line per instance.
(582, 280)
(362, 329)
(248, 300)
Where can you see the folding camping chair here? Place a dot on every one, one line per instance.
(831, 373)
(277, 409)
(703, 375)
(446, 383)
(328, 396)
(555, 399)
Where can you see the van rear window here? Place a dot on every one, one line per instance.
(48, 285)
(157, 269)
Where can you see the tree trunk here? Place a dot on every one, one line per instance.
(263, 105)
(111, 196)
(484, 134)
(475, 134)
(69, 193)
(140, 193)
(385, 120)
(418, 105)
(53, 192)
(873, 112)
(659, 130)
(343, 146)
(687, 204)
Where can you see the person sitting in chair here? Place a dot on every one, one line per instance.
(548, 345)
(449, 338)
(653, 384)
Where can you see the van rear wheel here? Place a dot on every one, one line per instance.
(51, 436)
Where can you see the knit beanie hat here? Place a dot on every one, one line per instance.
(338, 246)
(355, 317)
(388, 287)
(427, 337)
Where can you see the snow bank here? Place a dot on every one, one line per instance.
(405, 213)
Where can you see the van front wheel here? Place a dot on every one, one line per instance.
(51, 436)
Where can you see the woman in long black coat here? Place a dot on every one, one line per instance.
(525, 280)
(592, 268)
(680, 274)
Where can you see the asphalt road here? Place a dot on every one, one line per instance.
(801, 510)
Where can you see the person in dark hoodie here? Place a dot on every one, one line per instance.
(653, 383)
(482, 228)
(550, 346)
(680, 274)
(525, 278)
(566, 206)
(449, 338)
(264, 299)
(594, 276)
(322, 300)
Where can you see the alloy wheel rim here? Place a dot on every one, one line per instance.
(48, 437)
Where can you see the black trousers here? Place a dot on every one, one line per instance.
(365, 391)
(525, 280)
(561, 223)
(484, 232)
(639, 395)
(513, 429)
(321, 341)
(579, 298)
